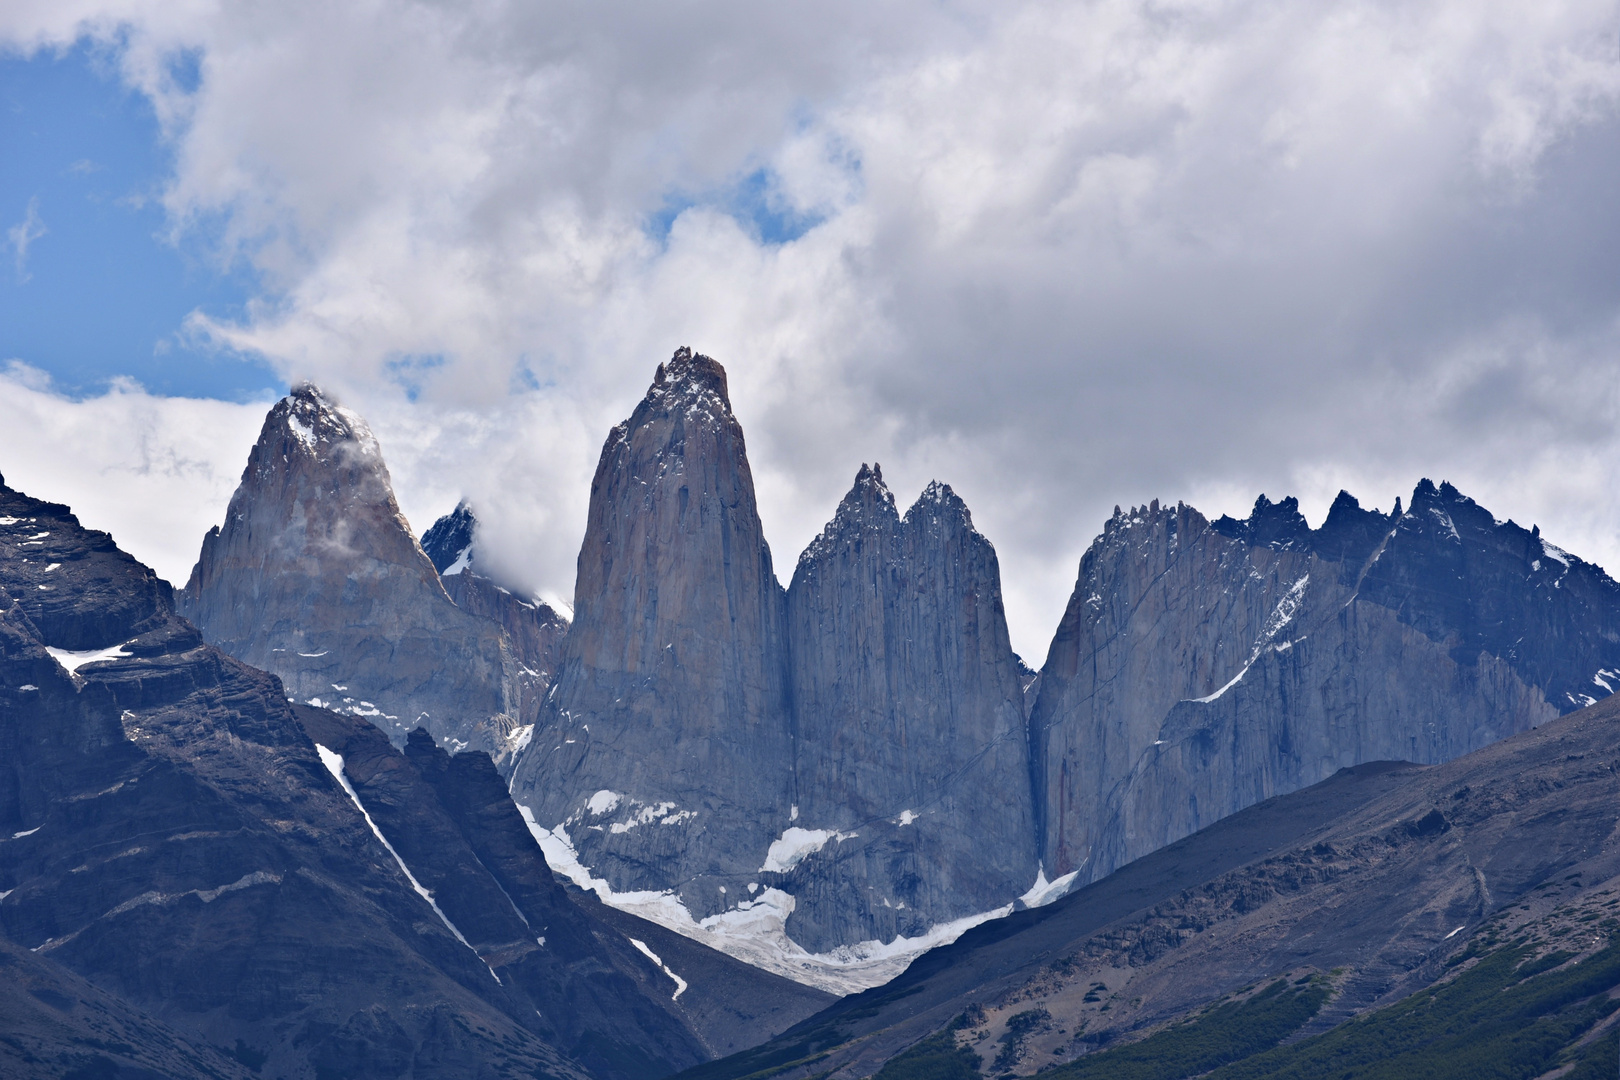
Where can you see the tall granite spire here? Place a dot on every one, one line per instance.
(665, 752)
(909, 717)
(316, 577)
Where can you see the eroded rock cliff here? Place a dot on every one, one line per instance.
(819, 770)
(1202, 667)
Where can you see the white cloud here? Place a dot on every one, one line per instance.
(1065, 254)
(156, 472)
(22, 235)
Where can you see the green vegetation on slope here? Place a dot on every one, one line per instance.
(1225, 1033)
(1502, 1019)
(935, 1058)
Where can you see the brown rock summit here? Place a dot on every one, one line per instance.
(316, 577)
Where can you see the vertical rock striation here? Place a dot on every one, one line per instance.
(316, 577)
(665, 753)
(1203, 667)
(909, 721)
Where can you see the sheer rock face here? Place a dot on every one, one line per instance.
(909, 720)
(1201, 667)
(533, 628)
(316, 577)
(665, 750)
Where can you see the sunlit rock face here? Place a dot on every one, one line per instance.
(666, 749)
(316, 577)
(1202, 667)
(909, 721)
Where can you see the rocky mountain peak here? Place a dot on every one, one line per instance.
(868, 507)
(1278, 525)
(316, 576)
(448, 543)
(937, 501)
(687, 380)
(671, 694)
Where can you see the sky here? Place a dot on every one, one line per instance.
(1061, 256)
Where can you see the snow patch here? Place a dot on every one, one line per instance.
(303, 432)
(1043, 892)
(1556, 554)
(73, 661)
(28, 686)
(906, 817)
(603, 802)
(29, 832)
(1454, 933)
(755, 930)
(334, 765)
(463, 561)
(680, 983)
(519, 740)
(790, 849)
(1280, 617)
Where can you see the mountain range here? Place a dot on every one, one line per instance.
(675, 826)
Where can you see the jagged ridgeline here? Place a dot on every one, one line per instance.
(830, 778)
(1202, 667)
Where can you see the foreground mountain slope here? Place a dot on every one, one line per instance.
(1202, 667)
(180, 835)
(55, 1024)
(1375, 880)
(316, 577)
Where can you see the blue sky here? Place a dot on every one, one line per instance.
(99, 291)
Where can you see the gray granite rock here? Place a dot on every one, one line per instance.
(316, 577)
(665, 751)
(1201, 668)
(858, 743)
(909, 721)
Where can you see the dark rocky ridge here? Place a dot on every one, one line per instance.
(316, 577)
(1201, 668)
(909, 722)
(1382, 875)
(175, 839)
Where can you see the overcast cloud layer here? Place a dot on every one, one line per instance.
(1060, 256)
